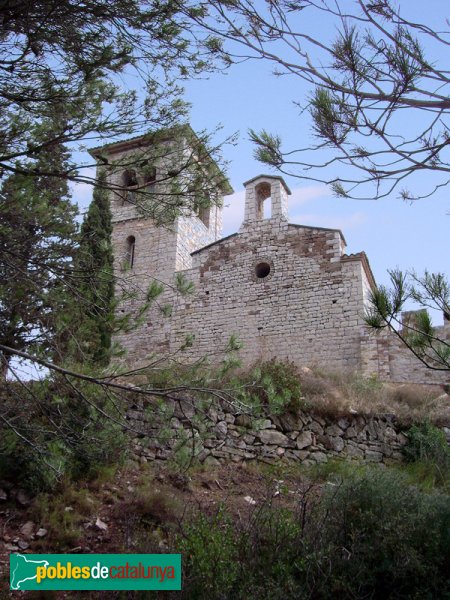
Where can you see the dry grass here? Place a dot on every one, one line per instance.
(149, 505)
(339, 394)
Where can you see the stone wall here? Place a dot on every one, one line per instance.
(223, 434)
(308, 309)
(384, 355)
(306, 305)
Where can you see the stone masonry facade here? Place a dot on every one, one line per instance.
(285, 291)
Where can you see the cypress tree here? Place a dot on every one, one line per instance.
(94, 267)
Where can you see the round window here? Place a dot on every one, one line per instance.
(262, 270)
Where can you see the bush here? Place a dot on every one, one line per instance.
(33, 468)
(272, 387)
(369, 536)
(390, 539)
(428, 443)
(210, 553)
(71, 434)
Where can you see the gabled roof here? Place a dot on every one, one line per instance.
(319, 228)
(245, 184)
(232, 235)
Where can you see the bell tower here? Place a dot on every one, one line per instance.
(166, 198)
(160, 211)
(266, 200)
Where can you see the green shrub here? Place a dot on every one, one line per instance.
(370, 535)
(33, 468)
(75, 431)
(428, 443)
(210, 556)
(394, 538)
(272, 387)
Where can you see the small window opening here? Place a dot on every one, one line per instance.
(129, 178)
(263, 201)
(131, 249)
(150, 180)
(129, 182)
(202, 212)
(262, 270)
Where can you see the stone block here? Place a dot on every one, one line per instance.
(372, 456)
(243, 421)
(354, 451)
(351, 432)
(331, 443)
(334, 431)
(304, 440)
(318, 457)
(221, 429)
(273, 437)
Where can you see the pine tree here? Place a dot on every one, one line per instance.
(37, 242)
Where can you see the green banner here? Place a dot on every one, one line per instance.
(95, 571)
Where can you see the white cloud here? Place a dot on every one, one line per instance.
(344, 222)
(303, 195)
(82, 192)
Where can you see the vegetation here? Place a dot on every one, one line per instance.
(56, 308)
(339, 393)
(42, 69)
(269, 387)
(369, 534)
(427, 442)
(418, 334)
(378, 88)
(341, 530)
(76, 429)
(428, 454)
(94, 269)
(37, 242)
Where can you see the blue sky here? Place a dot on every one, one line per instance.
(392, 232)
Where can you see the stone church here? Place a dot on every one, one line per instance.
(284, 290)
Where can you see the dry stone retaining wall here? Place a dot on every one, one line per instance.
(223, 435)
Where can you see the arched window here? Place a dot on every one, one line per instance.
(130, 252)
(263, 201)
(150, 180)
(129, 178)
(129, 182)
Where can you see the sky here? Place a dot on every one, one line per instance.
(393, 233)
